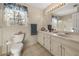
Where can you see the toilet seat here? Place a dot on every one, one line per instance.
(18, 38)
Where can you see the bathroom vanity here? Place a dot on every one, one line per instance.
(60, 44)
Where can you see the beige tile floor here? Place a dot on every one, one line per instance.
(35, 50)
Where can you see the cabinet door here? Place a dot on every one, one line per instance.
(47, 42)
(55, 47)
(69, 51)
(40, 38)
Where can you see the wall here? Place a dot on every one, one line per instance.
(9, 31)
(48, 15)
(47, 19)
(35, 16)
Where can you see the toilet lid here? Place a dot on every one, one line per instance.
(18, 38)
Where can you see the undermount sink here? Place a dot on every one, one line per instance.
(61, 34)
(55, 34)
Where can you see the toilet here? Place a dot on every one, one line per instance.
(16, 49)
(17, 45)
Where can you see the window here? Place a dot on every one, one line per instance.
(15, 14)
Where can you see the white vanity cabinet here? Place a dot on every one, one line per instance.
(69, 51)
(58, 45)
(40, 38)
(44, 40)
(47, 41)
(62, 47)
(55, 46)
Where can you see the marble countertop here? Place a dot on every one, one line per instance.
(73, 37)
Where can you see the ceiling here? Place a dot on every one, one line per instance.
(67, 9)
(41, 6)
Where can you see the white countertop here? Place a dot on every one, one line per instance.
(72, 37)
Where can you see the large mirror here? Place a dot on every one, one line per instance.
(66, 18)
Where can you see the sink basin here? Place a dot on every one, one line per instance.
(55, 34)
(61, 34)
(67, 36)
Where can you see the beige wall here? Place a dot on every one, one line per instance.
(35, 16)
(46, 19)
(8, 32)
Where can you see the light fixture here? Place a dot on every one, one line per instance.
(56, 7)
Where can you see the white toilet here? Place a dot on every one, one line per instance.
(16, 45)
(16, 49)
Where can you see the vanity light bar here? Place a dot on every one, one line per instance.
(56, 7)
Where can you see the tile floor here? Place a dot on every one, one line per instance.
(35, 50)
